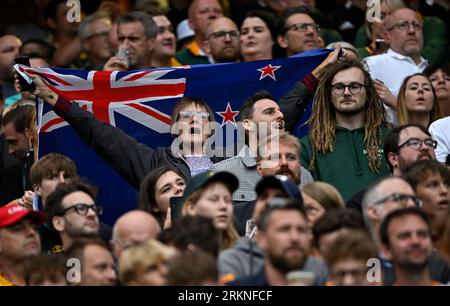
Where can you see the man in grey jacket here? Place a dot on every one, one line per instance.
(246, 258)
(282, 157)
(282, 246)
(259, 115)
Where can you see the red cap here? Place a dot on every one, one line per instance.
(11, 214)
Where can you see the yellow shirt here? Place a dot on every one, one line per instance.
(174, 62)
(4, 282)
(194, 48)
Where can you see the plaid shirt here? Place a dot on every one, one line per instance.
(244, 168)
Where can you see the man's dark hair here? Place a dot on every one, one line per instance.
(35, 55)
(277, 204)
(149, 25)
(192, 268)
(51, 9)
(336, 219)
(420, 170)
(51, 164)
(282, 26)
(246, 110)
(391, 142)
(54, 204)
(20, 117)
(354, 244)
(193, 230)
(397, 214)
(41, 267)
(447, 160)
(76, 250)
(46, 52)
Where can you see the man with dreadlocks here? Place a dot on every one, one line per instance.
(346, 130)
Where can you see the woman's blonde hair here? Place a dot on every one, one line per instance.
(392, 4)
(403, 114)
(229, 236)
(324, 193)
(137, 259)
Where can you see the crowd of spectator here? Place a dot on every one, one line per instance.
(361, 200)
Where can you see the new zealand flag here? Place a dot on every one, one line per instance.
(140, 103)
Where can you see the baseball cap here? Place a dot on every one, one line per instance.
(13, 213)
(208, 177)
(279, 181)
(198, 181)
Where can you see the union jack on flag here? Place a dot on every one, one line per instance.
(140, 103)
(104, 93)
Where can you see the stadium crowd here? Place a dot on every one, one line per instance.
(361, 200)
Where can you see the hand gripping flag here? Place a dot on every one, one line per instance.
(140, 103)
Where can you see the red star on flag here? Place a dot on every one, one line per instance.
(228, 115)
(268, 71)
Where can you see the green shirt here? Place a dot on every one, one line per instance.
(191, 55)
(347, 167)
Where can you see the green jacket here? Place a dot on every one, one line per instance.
(191, 55)
(347, 167)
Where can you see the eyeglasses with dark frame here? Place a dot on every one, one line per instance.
(416, 143)
(400, 198)
(222, 34)
(404, 26)
(82, 209)
(302, 27)
(353, 87)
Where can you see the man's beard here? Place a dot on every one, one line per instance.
(351, 112)
(285, 265)
(284, 170)
(413, 267)
(80, 232)
(402, 164)
(7, 76)
(423, 154)
(228, 57)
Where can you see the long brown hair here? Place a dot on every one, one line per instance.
(403, 114)
(147, 191)
(322, 123)
(227, 237)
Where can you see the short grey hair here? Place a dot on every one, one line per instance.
(150, 27)
(82, 29)
(373, 194)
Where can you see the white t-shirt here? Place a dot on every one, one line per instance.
(440, 131)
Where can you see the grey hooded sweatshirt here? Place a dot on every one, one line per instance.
(246, 258)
